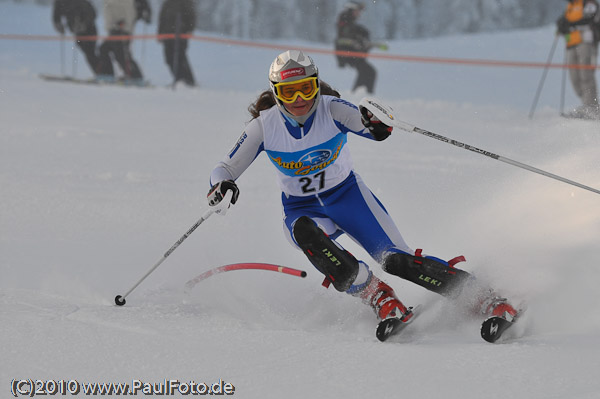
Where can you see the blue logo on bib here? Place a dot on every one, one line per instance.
(316, 157)
(311, 160)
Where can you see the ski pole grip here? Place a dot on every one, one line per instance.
(222, 207)
(384, 113)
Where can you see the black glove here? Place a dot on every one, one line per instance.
(379, 130)
(217, 192)
(562, 25)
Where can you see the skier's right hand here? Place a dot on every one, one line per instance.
(379, 130)
(217, 192)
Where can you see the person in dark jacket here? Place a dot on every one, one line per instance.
(80, 18)
(177, 17)
(354, 37)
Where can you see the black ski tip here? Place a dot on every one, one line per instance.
(393, 325)
(385, 328)
(493, 328)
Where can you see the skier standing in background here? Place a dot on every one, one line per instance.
(177, 17)
(120, 17)
(581, 26)
(80, 16)
(356, 38)
(302, 125)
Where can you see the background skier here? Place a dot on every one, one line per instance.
(119, 20)
(356, 38)
(581, 26)
(177, 17)
(80, 18)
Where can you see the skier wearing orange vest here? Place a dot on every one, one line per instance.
(580, 24)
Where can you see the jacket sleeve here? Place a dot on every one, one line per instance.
(90, 11)
(189, 17)
(244, 152)
(353, 37)
(163, 19)
(57, 12)
(347, 117)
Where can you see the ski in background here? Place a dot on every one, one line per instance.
(122, 82)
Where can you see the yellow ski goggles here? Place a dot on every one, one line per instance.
(288, 92)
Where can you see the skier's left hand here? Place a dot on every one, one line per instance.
(379, 130)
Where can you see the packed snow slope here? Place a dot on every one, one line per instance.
(98, 182)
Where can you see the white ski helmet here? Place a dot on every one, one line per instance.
(291, 66)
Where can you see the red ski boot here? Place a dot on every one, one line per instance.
(383, 300)
(497, 306)
(500, 316)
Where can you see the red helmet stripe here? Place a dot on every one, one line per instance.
(290, 73)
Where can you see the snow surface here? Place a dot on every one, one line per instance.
(98, 182)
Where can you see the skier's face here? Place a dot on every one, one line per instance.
(300, 107)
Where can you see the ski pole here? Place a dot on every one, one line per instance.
(143, 55)
(221, 208)
(176, 50)
(62, 54)
(385, 115)
(541, 84)
(74, 62)
(562, 88)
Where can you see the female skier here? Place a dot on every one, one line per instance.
(302, 125)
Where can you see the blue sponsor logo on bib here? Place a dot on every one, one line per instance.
(309, 161)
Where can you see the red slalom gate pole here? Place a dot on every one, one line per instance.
(243, 266)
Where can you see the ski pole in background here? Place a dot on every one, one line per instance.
(221, 208)
(562, 87)
(143, 51)
(177, 49)
(74, 62)
(62, 55)
(385, 114)
(541, 84)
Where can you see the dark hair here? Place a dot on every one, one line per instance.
(266, 99)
